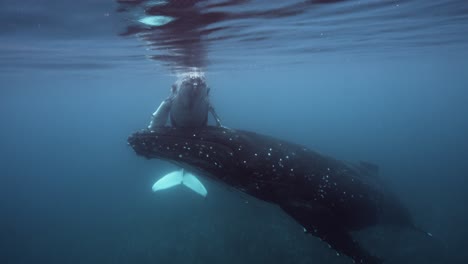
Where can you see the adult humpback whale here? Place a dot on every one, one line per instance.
(328, 197)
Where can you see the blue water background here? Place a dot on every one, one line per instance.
(72, 90)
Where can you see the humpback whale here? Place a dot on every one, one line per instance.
(187, 106)
(328, 197)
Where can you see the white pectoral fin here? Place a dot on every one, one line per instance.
(169, 180)
(192, 182)
(180, 177)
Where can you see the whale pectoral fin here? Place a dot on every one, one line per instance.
(317, 221)
(169, 180)
(192, 182)
(340, 240)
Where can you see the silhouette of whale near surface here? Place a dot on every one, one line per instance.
(328, 197)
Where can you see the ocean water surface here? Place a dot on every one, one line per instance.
(380, 81)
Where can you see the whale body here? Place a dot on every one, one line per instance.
(328, 197)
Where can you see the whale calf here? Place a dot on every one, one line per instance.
(328, 197)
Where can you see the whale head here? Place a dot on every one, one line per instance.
(210, 149)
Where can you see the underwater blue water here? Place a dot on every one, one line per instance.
(381, 81)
